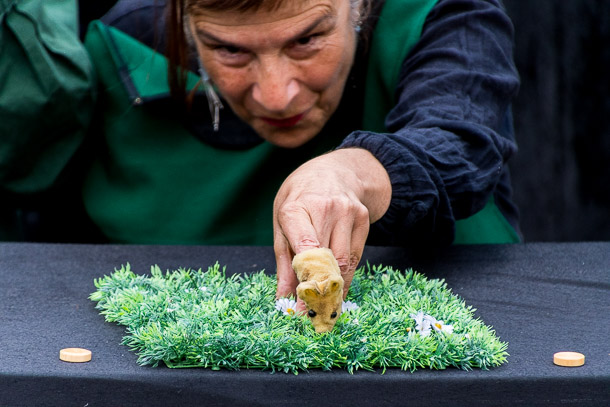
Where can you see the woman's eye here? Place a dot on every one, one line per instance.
(306, 47)
(304, 40)
(307, 41)
(231, 55)
(229, 50)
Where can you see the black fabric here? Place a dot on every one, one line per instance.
(450, 134)
(540, 297)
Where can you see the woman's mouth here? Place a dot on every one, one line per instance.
(288, 122)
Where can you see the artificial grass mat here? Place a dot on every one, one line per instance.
(196, 318)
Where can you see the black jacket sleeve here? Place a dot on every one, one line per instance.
(450, 134)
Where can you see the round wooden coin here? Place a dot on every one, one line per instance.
(75, 355)
(569, 359)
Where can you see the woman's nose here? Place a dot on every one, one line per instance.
(276, 87)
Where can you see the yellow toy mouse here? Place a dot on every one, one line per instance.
(321, 286)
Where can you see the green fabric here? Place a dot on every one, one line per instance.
(47, 91)
(157, 183)
(398, 29)
(486, 226)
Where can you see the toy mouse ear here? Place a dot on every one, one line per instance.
(336, 284)
(307, 291)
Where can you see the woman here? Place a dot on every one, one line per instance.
(411, 97)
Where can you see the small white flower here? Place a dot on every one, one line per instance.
(348, 306)
(448, 329)
(286, 305)
(419, 319)
(439, 326)
(203, 288)
(422, 323)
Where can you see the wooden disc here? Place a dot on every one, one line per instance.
(569, 359)
(75, 355)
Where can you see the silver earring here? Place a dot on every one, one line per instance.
(214, 102)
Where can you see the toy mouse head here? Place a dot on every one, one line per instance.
(321, 286)
(323, 300)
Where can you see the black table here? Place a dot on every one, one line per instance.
(540, 297)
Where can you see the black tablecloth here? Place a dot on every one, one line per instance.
(540, 298)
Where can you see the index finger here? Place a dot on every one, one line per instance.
(293, 225)
(302, 233)
(286, 277)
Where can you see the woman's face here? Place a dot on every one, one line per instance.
(281, 71)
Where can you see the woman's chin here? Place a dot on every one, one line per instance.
(287, 137)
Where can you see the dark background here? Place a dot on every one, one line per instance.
(562, 116)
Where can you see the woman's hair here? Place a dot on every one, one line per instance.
(178, 50)
(233, 5)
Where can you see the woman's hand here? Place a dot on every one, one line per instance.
(329, 201)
